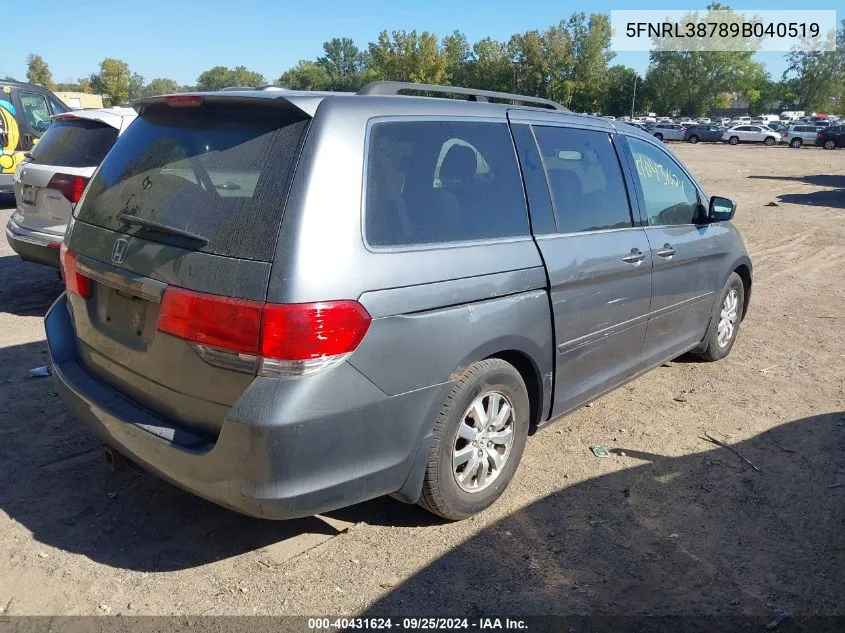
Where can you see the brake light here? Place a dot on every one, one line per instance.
(183, 101)
(282, 340)
(71, 187)
(75, 282)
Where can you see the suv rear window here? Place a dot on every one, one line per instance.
(431, 182)
(217, 171)
(80, 143)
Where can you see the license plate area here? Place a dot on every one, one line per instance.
(126, 318)
(29, 195)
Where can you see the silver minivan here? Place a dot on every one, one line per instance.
(288, 302)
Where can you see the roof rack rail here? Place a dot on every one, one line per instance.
(397, 87)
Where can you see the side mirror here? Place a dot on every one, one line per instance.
(721, 209)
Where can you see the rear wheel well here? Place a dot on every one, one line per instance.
(530, 376)
(745, 274)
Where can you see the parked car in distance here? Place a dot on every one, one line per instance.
(750, 134)
(639, 126)
(798, 134)
(50, 182)
(25, 111)
(831, 137)
(667, 131)
(439, 330)
(706, 133)
(703, 120)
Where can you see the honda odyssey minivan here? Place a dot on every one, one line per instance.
(288, 302)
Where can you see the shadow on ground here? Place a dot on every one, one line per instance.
(833, 194)
(28, 289)
(680, 536)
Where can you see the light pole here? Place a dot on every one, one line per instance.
(634, 98)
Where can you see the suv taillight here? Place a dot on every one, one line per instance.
(71, 187)
(75, 282)
(277, 340)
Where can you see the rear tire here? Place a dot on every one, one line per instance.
(724, 324)
(770, 140)
(829, 144)
(693, 139)
(795, 143)
(492, 385)
(658, 136)
(734, 140)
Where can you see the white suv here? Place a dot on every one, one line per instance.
(49, 183)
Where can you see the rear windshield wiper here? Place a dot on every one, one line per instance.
(152, 225)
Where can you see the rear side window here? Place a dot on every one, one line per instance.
(431, 182)
(585, 178)
(220, 172)
(80, 143)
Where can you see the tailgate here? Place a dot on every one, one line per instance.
(188, 198)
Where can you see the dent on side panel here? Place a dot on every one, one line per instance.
(406, 352)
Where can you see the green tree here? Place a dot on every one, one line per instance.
(222, 77)
(591, 53)
(817, 77)
(114, 81)
(490, 67)
(161, 86)
(136, 86)
(9, 78)
(306, 75)
(408, 56)
(456, 50)
(343, 63)
(620, 91)
(37, 71)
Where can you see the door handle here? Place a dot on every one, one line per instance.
(635, 257)
(667, 251)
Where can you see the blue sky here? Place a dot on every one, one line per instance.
(179, 39)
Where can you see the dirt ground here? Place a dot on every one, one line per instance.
(671, 524)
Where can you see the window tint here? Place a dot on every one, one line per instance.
(670, 197)
(35, 110)
(539, 202)
(220, 172)
(80, 143)
(588, 189)
(432, 182)
(56, 107)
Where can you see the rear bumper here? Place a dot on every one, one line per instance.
(6, 183)
(287, 449)
(32, 245)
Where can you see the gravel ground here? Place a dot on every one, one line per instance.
(670, 525)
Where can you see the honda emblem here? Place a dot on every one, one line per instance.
(118, 251)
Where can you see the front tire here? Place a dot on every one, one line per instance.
(734, 140)
(795, 143)
(770, 140)
(693, 139)
(479, 437)
(724, 324)
(658, 136)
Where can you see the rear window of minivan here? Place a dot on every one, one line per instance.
(218, 171)
(78, 143)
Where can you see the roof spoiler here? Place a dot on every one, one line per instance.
(293, 104)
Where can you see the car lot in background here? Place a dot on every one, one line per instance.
(800, 134)
(50, 182)
(704, 133)
(831, 137)
(750, 134)
(667, 131)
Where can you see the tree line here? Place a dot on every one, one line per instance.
(569, 62)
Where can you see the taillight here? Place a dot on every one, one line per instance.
(75, 282)
(71, 187)
(271, 339)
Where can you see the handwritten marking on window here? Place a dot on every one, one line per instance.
(652, 171)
